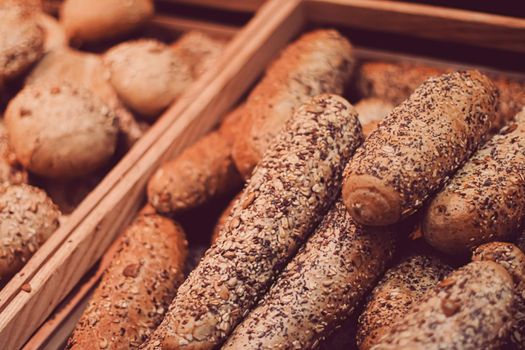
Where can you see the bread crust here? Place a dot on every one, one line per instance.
(136, 289)
(418, 146)
(481, 202)
(99, 20)
(290, 191)
(60, 130)
(401, 287)
(203, 171)
(319, 62)
(11, 171)
(319, 288)
(27, 219)
(471, 309)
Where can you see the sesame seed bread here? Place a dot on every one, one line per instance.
(136, 289)
(318, 62)
(471, 309)
(203, 171)
(27, 219)
(418, 146)
(482, 202)
(290, 191)
(401, 287)
(319, 288)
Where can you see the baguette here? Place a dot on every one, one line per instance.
(371, 111)
(417, 146)
(470, 310)
(288, 194)
(318, 62)
(402, 287)
(320, 286)
(202, 172)
(482, 202)
(137, 287)
(27, 219)
(513, 259)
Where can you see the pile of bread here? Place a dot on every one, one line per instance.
(392, 224)
(69, 114)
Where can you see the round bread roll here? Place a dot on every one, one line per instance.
(147, 75)
(86, 70)
(55, 36)
(11, 171)
(60, 131)
(21, 39)
(27, 219)
(97, 20)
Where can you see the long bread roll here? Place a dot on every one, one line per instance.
(137, 288)
(513, 259)
(402, 287)
(203, 171)
(319, 287)
(483, 201)
(288, 194)
(470, 310)
(417, 146)
(318, 62)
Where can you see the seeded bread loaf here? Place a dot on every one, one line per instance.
(418, 146)
(482, 202)
(288, 194)
(21, 39)
(471, 309)
(513, 259)
(318, 62)
(137, 287)
(99, 20)
(402, 287)
(27, 219)
(219, 226)
(319, 288)
(202, 172)
(60, 130)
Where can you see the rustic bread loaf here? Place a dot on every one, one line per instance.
(200, 173)
(137, 287)
(27, 219)
(471, 309)
(417, 146)
(318, 62)
(402, 287)
(482, 202)
(290, 191)
(319, 288)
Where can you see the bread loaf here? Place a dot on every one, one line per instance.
(417, 146)
(290, 191)
(318, 62)
(402, 287)
(471, 309)
(137, 287)
(371, 111)
(481, 202)
(27, 219)
(219, 226)
(202, 172)
(319, 288)
(513, 259)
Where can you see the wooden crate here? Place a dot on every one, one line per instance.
(406, 30)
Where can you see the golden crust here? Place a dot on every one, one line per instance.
(137, 287)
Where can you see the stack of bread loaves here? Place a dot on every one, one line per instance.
(362, 218)
(69, 114)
